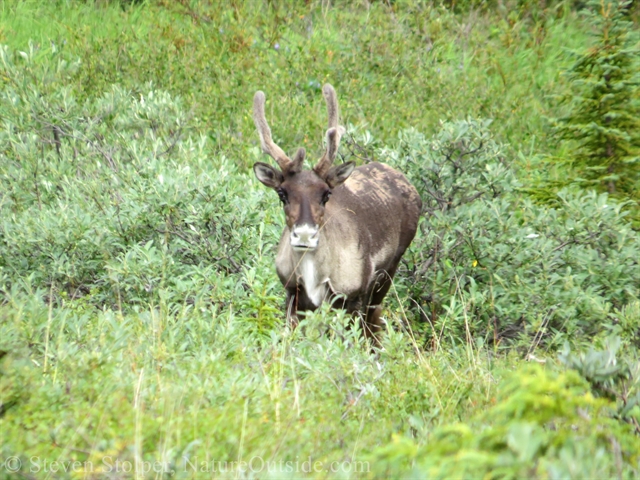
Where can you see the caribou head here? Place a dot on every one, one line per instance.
(303, 193)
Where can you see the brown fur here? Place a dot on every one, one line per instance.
(365, 227)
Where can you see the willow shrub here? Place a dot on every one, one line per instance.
(116, 203)
(489, 263)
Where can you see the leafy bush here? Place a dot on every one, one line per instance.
(543, 424)
(115, 201)
(611, 377)
(490, 263)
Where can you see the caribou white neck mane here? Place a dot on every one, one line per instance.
(315, 286)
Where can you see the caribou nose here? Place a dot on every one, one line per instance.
(304, 236)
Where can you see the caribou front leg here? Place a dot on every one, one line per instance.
(292, 308)
(297, 303)
(372, 325)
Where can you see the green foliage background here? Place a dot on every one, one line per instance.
(140, 315)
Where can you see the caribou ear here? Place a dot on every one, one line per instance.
(339, 173)
(268, 175)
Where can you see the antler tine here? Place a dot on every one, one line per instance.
(266, 142)
(333, 133)
(332, 104)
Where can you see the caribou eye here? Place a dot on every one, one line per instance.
(283, 196)
(325, 197)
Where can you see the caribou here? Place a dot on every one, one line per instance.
(346, 227)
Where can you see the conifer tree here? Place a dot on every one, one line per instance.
(603, 117)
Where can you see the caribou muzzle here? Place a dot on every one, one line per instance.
(304, 237)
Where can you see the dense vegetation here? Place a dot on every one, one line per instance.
(141, 323)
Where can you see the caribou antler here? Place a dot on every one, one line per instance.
(266, 142)
(333, 133)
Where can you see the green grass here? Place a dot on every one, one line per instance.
(141, 324)
(153, 386)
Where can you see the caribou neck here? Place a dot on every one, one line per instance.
(309, 269)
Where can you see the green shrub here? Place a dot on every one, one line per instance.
(490, 263)
(543, 424)
(611, 377)
(117, 201)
